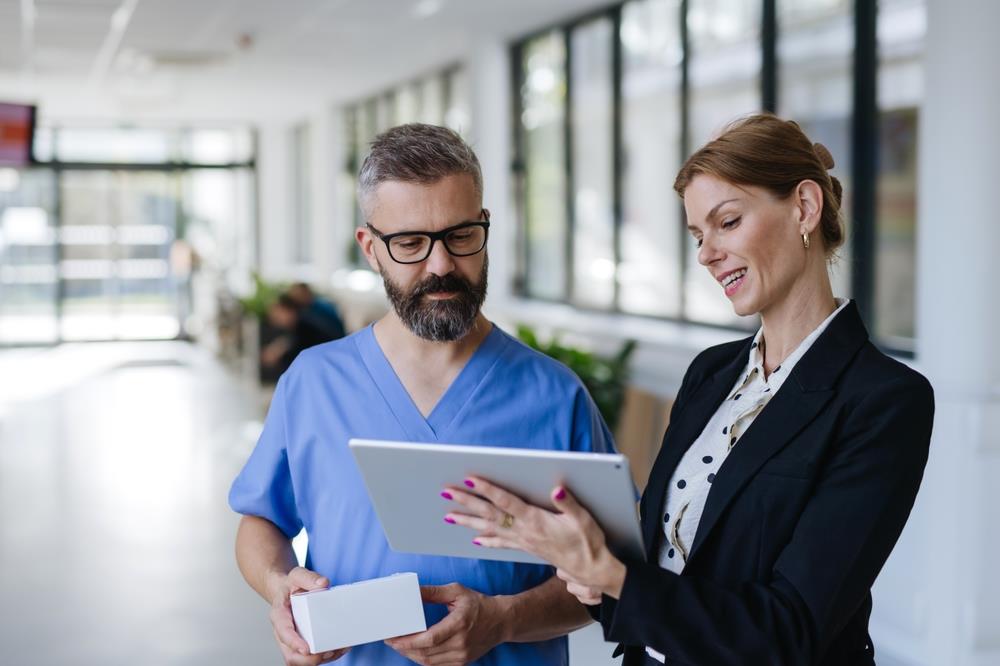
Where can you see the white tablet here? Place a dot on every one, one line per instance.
(405, 481)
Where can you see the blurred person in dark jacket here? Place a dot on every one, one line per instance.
(299, 328)
(319, 311)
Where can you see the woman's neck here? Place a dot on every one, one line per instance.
(787, 323)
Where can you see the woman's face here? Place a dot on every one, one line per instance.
(748, 239)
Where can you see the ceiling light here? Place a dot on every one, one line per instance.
(427, 8)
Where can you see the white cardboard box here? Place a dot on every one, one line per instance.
(370, 610)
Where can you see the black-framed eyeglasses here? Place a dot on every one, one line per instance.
(461, 240)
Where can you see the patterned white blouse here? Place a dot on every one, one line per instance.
(691, 483)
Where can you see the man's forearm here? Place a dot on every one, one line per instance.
(263, 554)
(543, 612)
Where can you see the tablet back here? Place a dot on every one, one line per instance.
(405, 481)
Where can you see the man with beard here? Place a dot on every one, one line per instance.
(433, 369)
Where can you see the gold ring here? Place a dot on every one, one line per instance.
(507, 522)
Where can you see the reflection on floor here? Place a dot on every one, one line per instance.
(116, 544)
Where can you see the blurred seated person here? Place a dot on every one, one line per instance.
(318, 310)
(297, 329)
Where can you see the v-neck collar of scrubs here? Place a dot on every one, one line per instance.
(452, 401)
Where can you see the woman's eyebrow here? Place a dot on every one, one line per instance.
(717, 206)
(711, 213)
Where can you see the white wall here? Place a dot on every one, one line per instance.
(939, 597)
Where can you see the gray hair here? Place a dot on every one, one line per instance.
(416, 153)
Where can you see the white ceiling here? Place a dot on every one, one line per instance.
(240, 58)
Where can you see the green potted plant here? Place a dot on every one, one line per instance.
(605, 378)
(257, 331)
(264, 294)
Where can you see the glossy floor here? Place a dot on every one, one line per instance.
(115, 537)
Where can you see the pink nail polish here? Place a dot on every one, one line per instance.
(476, 541)
(469, 483)
(561, 494)
(449, 519)
(445, 494)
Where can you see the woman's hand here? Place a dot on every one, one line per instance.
(567, 537)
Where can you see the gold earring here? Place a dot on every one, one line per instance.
(805, 241)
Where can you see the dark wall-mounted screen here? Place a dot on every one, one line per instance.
(17, 131)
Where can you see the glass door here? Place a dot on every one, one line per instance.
(118, 240)
(28, 257)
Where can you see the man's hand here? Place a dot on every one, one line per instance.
(272, 353)
(475, 624)
(293, 647)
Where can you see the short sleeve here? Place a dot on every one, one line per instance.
(264, 487)
(590, 432)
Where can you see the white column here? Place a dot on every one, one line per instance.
(274, 198)
(341, 220)
(489, 76)
(954, 544)
(324, 168)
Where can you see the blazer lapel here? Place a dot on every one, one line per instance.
(800, 399)
(680, 435)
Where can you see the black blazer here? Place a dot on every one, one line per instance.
(801, 517)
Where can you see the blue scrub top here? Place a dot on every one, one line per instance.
(302, 475)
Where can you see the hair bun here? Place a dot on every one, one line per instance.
(825, 158)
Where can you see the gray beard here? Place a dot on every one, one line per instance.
(438, 321)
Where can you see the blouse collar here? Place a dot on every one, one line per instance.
(755, 363)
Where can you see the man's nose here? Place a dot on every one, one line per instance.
(440, 261)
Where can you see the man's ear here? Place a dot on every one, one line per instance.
(809, 205)
(366, 241)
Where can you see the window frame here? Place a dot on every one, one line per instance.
(367, 104)
(864, 158)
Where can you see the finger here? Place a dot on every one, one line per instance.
(440, 594)
(472, 522)
(284, 630)
(293, 656)
(296, 659)
(497, 542)
(288, 653)
(333, 655)
(577, 589)
(424, 640)
(416, 656)
(586, 595)
(450, 652)
(475, 505)
(503, 499)
(301, 578)
(564, 575)
(565, 502)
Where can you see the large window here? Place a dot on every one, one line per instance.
(29, 257)
(543, 117)
(104, 238)
(815, 75)
(438, 99)
(724, 70)
(900, 89)
(609, 105)
(649, 271)
(591, 108)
